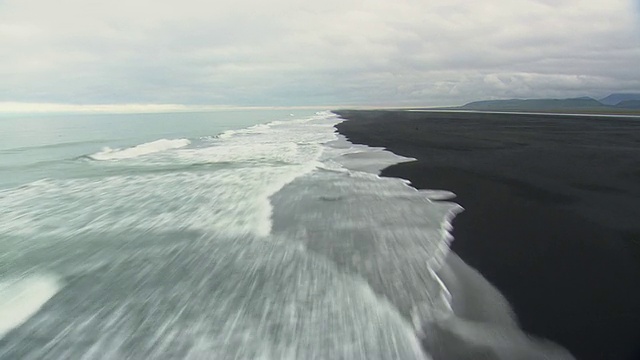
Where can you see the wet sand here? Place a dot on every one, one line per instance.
(552, 213)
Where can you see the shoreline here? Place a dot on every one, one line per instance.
(558, 239)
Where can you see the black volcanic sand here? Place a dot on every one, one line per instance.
(552, 213)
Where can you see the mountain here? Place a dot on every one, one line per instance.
(615, 99)
(612, 104)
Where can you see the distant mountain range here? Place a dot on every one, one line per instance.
(614, 103)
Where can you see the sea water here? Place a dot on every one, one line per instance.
(229, 235)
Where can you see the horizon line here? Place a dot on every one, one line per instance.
(140, 108)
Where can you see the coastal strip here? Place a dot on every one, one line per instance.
(551, 217)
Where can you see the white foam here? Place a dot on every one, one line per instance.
(139, 150)
(21, 298)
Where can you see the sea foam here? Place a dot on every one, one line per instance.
(232, 198)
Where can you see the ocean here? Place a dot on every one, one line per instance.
(256, 234)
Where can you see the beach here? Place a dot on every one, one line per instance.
(229, 234)
(551, 212)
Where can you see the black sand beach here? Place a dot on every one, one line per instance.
(552, 213)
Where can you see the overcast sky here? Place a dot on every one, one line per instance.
(329, 52)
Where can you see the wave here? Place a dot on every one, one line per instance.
(220, 188)
(108, 153)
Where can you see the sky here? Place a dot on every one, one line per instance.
(314, 53)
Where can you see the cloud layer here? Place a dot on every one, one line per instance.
(285, 52)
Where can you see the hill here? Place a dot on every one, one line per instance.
(613, 104)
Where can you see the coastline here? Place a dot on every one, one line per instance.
(550, 220)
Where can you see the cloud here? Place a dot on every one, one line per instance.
(285, 52)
